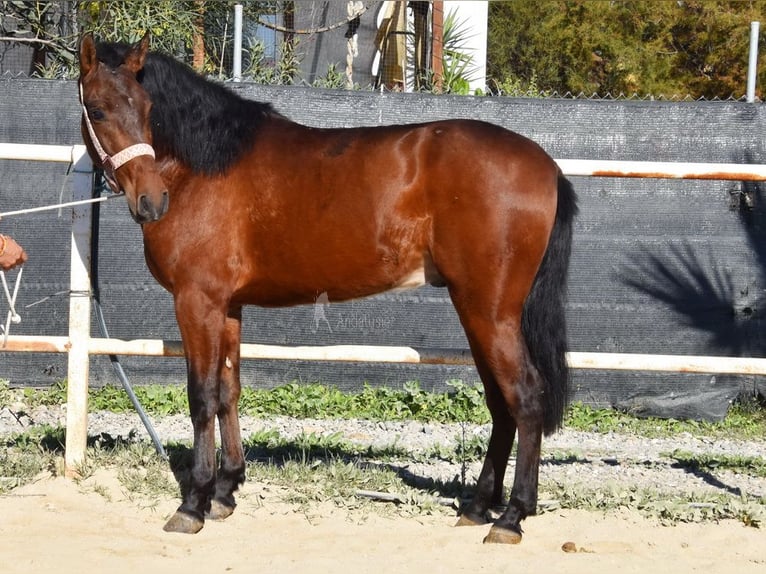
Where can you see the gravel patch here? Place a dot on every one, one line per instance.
(569, 457)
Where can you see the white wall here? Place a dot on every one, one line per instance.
(475, 14)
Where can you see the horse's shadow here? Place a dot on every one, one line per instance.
(180, 460)
(692, 466)
(456, 487)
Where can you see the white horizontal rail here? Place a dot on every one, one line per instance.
(160, 348)
(581, 167)
(380, 354)
(663, 170)
(33, 152)
(669, 363)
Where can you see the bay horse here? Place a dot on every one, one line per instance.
(239, 205)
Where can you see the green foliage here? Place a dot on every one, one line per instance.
(173, 24)
(741, 422)
(457, 62)
(461, 403)
(333, 79)
(261, 70)
(25, 455)
(516, 87)
(694, 47)
(170, 22)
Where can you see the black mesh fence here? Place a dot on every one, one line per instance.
(659, 266)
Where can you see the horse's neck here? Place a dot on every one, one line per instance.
(173, 172)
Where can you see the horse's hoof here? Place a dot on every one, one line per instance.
(219, 510)
(499, 535)
(183, 523)
(465, 520)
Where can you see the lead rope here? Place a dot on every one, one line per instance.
(13, 316)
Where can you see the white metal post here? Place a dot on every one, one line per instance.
(237, 63)
(752, 65)
(79, 314)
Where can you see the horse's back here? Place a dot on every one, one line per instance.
(423, 163)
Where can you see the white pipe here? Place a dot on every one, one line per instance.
(752, 63)
(237, 63)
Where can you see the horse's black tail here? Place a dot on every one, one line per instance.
(543, 321)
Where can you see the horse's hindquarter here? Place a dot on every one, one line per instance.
(353, 212)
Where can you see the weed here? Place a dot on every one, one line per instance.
(737, 424)
(682, 507)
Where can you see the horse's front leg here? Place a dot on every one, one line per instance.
(201, 323)
(231, 474)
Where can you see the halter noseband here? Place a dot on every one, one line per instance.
(112, 163)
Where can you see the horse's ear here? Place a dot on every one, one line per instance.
(88, 59)
(134, 61)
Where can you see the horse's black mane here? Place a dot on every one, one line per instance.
(199, 122)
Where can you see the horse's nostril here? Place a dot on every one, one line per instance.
(144, 207)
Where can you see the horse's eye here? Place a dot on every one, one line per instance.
(96, 115)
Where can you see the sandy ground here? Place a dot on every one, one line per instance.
(58, 525)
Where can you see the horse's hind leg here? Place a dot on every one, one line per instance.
(231, 473)
(489, 486)
(513, 392)
(527, 413)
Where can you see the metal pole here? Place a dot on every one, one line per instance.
(237, 64)
(752, 65)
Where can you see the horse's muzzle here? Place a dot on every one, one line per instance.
(148, 210)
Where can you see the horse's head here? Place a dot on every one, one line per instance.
(117, 131)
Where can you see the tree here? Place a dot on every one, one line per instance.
(688, 47)
(192, 29)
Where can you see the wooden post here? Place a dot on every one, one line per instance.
(437, 46)
(79, 315)
(198, 37)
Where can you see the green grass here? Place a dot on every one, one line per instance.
(462, 403)
(667, 509)
(745, 420)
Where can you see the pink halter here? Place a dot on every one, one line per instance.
(112, 163)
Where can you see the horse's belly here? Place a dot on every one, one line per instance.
(413, 280)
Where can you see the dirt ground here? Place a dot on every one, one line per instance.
(58, 525)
